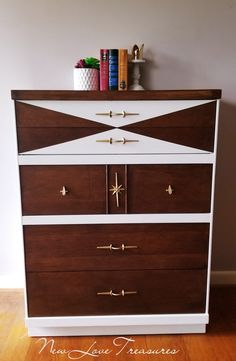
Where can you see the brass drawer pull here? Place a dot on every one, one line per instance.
(120, 248)
(64, 191)
(116, 189)
(121, 293)
(170, 190)
(111, 114)
(109, 140)
(106, 113)
(122, 140)
(124, 113)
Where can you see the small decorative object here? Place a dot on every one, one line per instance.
(86, 74)
(137, 53)
(136, 60)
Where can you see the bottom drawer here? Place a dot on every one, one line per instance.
(133, 292)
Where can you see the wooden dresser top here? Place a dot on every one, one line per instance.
(191, 94)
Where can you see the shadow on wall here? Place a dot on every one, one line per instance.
(166, 70)
(224, 231)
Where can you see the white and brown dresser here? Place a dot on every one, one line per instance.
(117, 194)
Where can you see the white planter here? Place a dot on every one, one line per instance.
(86, 79)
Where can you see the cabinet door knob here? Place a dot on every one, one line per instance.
(169, 190)
(64, 191)
(123, 247)
(116, 294)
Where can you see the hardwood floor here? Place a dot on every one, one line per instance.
(218, 344)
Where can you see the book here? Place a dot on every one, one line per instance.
(123, 69)
(113, 69)
(104, 69)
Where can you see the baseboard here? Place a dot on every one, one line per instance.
(223, 277)
(11, 281)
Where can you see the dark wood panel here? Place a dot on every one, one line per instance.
(147, 185)
(36, 138)
(75, 293)
(41, 186)
(117, 192)
(192, 94)
(74, 247)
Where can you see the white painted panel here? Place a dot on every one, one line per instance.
(145, 109)
(93, 145)
(116, 330)
(119, 218)
(54, 159)
(117, 325)
(212, 208)
(120, 320)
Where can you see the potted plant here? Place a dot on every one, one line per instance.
(86, 74)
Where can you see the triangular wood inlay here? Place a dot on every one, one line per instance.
(39, 127)
(193, 127)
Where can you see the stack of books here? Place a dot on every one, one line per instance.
(113, 69)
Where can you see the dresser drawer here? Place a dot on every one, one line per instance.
(89, 293)
(116, 247)
(63, 189)
(115, 127)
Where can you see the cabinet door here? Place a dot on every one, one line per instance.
(169, 188)
(63, 189)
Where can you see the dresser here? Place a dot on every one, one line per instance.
(117, 193)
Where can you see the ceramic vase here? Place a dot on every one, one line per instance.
(86, 79)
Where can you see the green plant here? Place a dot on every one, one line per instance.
(88, 63)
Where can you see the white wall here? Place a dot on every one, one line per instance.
(188, 44)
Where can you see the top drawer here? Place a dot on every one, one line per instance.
(115, 127)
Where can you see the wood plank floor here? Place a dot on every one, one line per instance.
(218, 344)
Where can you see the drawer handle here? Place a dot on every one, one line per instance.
(124, 113)
(116, 189)
(122, 140)
(120, 248)
(111, 114)
(106, 113)
(121, 293)
(109, 140)
(64, 191)
(169, 190)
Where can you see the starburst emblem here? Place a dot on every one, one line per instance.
(116, 189)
